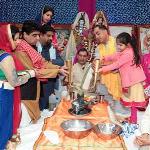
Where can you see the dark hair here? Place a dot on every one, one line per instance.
(82, 50)
(48, 8)
(30, 26)
(82, 17)
(125, 38)
(101, 27)
(100, 18)
(45, 28)
(14, 31)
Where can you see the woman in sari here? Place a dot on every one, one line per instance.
(45, 17)
(8, 80)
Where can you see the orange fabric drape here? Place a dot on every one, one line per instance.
(91, 142)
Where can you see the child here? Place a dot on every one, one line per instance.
(127, 60)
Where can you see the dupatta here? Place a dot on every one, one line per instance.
(5, 44)
(35, 57)
(114, 88)
(38, 20)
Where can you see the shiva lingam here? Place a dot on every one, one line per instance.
(80, 106)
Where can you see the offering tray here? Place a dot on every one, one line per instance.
(82, 112)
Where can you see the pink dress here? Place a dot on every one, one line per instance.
(132, 78)
(129, 72)
(146, 67)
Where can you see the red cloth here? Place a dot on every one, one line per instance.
(134, 106)
(17, 99)
(5, 44)
(35, 57)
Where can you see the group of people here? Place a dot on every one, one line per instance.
(122, 78)
(30, 65)
(23, 67)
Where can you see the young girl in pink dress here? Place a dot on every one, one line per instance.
(127, 61)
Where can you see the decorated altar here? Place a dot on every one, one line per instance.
(91, 142)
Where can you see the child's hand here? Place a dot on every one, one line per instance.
(100, 70)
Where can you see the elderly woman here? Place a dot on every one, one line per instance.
(8, 80)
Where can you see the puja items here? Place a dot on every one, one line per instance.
(76, 129)
(80, 106)
(107, 131)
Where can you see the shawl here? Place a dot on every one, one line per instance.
(35, 57)
(114, 88)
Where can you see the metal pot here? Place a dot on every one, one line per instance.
(76, 129)
(107, 130)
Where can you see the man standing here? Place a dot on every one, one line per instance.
(110, 82)
(107, 46)
(31, 59)
(45, 47)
